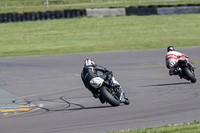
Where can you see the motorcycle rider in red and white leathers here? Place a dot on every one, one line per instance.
(172, 59)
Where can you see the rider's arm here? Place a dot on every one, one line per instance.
(102, 69)
(166, 62)
(178, 54)
(184, 56)
(83, 80)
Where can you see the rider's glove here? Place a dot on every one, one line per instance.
(109, 74)
(106, 70)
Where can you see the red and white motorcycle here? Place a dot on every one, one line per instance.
(186, 70)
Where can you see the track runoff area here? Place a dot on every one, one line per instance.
(11, 104)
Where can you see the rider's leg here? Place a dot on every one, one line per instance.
(97, 95)
(115, 81)
(94, 92)
(172, 71)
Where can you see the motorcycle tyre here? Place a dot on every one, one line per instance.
(108, 97)
(189, 74)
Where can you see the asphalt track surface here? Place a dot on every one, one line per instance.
(53, 83)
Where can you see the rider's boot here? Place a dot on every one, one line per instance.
(101, 99)
(180, 76)
(174, 71)
(127, 102)
(171, 72)
(95, 95)
(124, 98)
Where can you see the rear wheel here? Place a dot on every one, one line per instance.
(189, 74)
(112, 100)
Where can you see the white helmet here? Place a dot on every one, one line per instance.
(88, 62)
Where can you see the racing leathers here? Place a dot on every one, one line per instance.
(93, 71)
(172, 59)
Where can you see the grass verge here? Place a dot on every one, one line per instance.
(170, 128)
(98, 34)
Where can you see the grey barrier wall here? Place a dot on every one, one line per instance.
(178, 10)
(163, 9)
(101, 12)
(145, 10)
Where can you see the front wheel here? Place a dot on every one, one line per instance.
(189, 74)
(109, 97)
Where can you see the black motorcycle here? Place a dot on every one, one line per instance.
(112, 93)
(186, 70)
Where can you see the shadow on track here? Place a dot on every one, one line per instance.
(169, 84)
(66, 105)
(96, 107)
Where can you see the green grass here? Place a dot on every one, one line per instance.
(195, 62)
(38, 5)
(174, 128)
(98, 34)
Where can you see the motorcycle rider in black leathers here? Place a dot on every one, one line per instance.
(92, 71)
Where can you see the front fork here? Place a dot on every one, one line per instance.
(191, 67)
(122, 95)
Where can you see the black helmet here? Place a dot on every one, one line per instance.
(170, 48)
